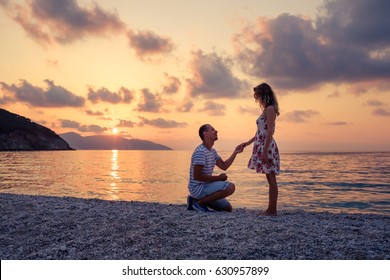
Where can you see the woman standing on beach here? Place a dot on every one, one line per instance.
(265, 155)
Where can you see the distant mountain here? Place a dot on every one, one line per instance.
(18, 133)
(108, 142)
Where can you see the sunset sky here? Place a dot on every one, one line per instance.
(157, 70)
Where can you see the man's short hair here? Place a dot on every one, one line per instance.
(202, 129)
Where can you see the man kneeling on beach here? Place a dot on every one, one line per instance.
(206, 189)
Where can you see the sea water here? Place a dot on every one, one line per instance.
(336, 182)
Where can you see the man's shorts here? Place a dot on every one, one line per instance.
(210, 188)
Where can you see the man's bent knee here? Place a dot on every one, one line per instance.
(231, 188)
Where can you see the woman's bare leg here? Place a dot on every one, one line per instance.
(273, 196)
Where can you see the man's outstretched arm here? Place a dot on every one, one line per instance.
(224, 165)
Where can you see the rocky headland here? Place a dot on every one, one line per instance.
(18, 133)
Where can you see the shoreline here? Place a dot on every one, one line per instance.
(67, 228)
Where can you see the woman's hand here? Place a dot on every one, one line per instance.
(239, 149)
(264, 157)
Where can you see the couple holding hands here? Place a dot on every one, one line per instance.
(210, 191)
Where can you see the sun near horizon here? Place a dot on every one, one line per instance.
(119, 69)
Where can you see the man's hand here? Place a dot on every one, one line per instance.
(239, 149)
(224, 165)
(222, 177)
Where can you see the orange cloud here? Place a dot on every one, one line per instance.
(146, 43)
(64, 21)
(52, 96)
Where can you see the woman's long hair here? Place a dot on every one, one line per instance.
(265, 96)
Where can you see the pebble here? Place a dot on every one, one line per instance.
(42, 227)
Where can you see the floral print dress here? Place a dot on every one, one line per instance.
(273, 163)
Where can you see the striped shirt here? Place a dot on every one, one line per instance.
(207, 158)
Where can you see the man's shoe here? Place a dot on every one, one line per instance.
(201, 208)
(190, 202)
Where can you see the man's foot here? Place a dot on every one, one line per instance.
(201, 208)
(190, 202)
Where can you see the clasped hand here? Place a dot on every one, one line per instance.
(240, 148)
(222, 177)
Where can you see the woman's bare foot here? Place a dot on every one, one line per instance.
(268, 213)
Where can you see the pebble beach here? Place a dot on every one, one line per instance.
(66, 228)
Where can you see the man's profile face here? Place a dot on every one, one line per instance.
(211, 133)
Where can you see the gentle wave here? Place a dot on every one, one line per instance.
(349, 182)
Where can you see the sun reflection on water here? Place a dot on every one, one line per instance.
(114, 175)
(114, 165)
(353, 182)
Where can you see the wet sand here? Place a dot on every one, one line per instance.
(44, 228)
